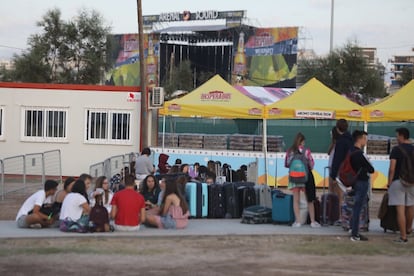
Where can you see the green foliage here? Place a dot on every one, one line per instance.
(204, 76)
(406, 76)
(72, 51)
(346, 71)
(179, 78)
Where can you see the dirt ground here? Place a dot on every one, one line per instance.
(222, 255)
(242, 255)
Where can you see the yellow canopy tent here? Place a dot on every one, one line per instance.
(214, 99)
(314, 100)
(396, 107)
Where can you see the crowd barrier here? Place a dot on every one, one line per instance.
(112, 165)
(18, 172)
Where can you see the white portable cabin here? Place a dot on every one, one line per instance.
(87, 123)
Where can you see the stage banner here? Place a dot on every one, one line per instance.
(123, 55)
(266, 57)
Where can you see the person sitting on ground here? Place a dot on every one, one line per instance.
(103, 183)
(128, 207)
(87, 179)
(163, 166)
(67, 188)
(209, 180)
(193, 171)
(175, 212)
(30, 212)
(75, 208)
(174, 170)
(99, 217)
(150, 191)
(181, 183)
(162, 192)
(185, 169)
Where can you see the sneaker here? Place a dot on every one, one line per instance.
(315, 224)
(401, 240)
(359, 238)
(338, 223)
(355, 238)
(296, 225)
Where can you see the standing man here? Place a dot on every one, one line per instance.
(361, 165)
(30, 214)
(401, 196)
(143, 165)
(128, 207)
(342, 147)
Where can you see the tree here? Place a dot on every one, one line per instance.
(345, 70)
(406, 76)
(72, 51)
(179, 78)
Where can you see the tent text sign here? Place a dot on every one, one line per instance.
(314, 114)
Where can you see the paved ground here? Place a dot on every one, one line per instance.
(197, 227)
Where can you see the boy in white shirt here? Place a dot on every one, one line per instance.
(29, 214)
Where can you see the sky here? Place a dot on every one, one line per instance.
(384, 24)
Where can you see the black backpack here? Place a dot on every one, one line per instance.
(407, 167)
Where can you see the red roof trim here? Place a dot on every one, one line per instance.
(70, 87)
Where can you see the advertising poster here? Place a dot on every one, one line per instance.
(124, 57)
(266, 57)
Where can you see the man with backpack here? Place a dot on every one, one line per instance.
(363, 168)
(401, 183)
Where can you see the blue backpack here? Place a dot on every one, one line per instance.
(299, 168)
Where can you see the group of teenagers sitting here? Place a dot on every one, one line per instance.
(158, 204)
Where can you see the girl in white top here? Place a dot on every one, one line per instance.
(103, 183)
(75, 203)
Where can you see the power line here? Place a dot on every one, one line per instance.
(11, 47)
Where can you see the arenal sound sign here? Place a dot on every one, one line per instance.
(187, 16)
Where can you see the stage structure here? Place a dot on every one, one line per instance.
(215, 42)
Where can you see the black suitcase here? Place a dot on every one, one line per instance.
(216, 201)
(257, 215)
(246, 196)
(329, 204)
(231, 202)
(388, 215)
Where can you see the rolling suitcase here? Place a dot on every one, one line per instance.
(346, 214)
(388, 215)
(197, 198)
(231, 201)
(329, 205)
(263, 195)
(257, 215)
(246, 196)
(282, 207)
(216, 201)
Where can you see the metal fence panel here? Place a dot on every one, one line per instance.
(52, 165)
(96, 170)
(14, 174)
(30, 170)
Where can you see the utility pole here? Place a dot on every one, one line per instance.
(332, 27)
(142, 72)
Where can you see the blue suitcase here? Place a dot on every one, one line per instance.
(197, 198)
(282, 207)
